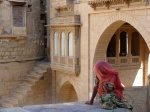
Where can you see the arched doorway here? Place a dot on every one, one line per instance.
(67, 93)
(124, 47)
(128, 53)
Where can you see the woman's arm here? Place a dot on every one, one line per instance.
(93, 96)
(95, 89)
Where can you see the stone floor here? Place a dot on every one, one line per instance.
(65, 107)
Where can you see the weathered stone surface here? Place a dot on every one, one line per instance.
(17, 109)
(66, 107)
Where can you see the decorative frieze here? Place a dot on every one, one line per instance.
(108, 3)
(65, 21)
(66, 65)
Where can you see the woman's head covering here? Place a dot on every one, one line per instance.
(107, 74)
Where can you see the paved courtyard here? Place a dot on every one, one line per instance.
(66, 107)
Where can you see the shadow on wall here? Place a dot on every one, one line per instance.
(67, 93)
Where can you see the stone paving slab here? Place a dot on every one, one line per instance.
(65, 107)
(16, 109)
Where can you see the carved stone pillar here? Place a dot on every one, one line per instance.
(129, 46)
(117, 47)
(59, 45)
(75, 50)
(52, 45)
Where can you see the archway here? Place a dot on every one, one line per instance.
(102, 33)
(67, 93)
(98, 50)
(101, 49)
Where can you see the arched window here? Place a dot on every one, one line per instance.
(70, 44)
(63, 44)
(56, 43)
(123, 44)
(111, 50)
(135, 44)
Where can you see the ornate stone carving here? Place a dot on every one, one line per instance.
(63, 5)
(108, 3)
(66, 65)
(69, 20)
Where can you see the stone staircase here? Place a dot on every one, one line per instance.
(17, 96)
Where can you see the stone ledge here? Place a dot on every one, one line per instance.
(65, 107)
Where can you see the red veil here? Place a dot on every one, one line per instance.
(107, 74)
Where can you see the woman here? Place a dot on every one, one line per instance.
(109, 87)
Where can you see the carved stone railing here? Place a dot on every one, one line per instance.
(69, 20)
(123, 60)
(62, 60)
(111, 60)
(63, 5)
(108, 3)
(67, 65)
(133, 60)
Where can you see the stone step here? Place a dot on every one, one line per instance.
(30, 80)
(25, 84)
(37, 71)
(34, 76)
(40, 67)
(40, 71)
(18, 95)
(22, 90)
(47, 64)
(13, 99)
(7, 104)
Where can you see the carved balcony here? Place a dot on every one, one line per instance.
(67, 65)
(116, 3)
(66, 21)
(124, 61)
(62, 5)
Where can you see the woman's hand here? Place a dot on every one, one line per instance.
(89, 102)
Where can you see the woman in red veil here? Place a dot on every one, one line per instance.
(108, 85)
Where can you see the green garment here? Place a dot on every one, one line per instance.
(111, 101)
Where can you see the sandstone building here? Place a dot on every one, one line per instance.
(23, 77)
(77, 34)
(85, 31)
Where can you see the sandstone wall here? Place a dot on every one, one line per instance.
(20, 47)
